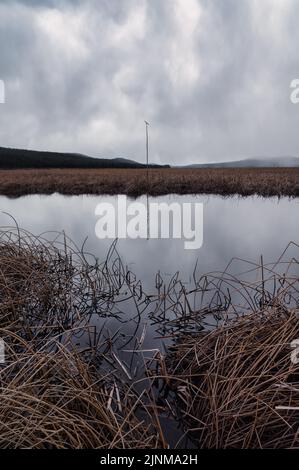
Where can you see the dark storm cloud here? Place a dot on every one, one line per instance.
(212, 77)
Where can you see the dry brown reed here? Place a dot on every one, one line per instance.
(265, 182)
(226, 375)
(56, 399)
(54, 392)
(237, 385)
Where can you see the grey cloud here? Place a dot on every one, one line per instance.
(212, 77)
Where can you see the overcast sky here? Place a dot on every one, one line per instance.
(212, 77)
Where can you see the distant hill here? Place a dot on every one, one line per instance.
(257, 162)
(17, 158)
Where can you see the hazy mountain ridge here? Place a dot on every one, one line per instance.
(256, 162)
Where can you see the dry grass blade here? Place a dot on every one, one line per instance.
(230, 396)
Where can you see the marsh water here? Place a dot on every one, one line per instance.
(232, 228)
(239, 228)
(243, 229)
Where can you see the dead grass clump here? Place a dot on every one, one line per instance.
(48, 286)
(237, 386)
(55, 391)
(54, 399)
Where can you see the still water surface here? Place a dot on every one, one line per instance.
(233, 227)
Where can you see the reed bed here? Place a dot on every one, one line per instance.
(55, 391)
(57, 400)
(266, 182)
(237, 385)
(228, 374)
(225, 377)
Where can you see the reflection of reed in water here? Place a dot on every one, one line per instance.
(147, 217)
